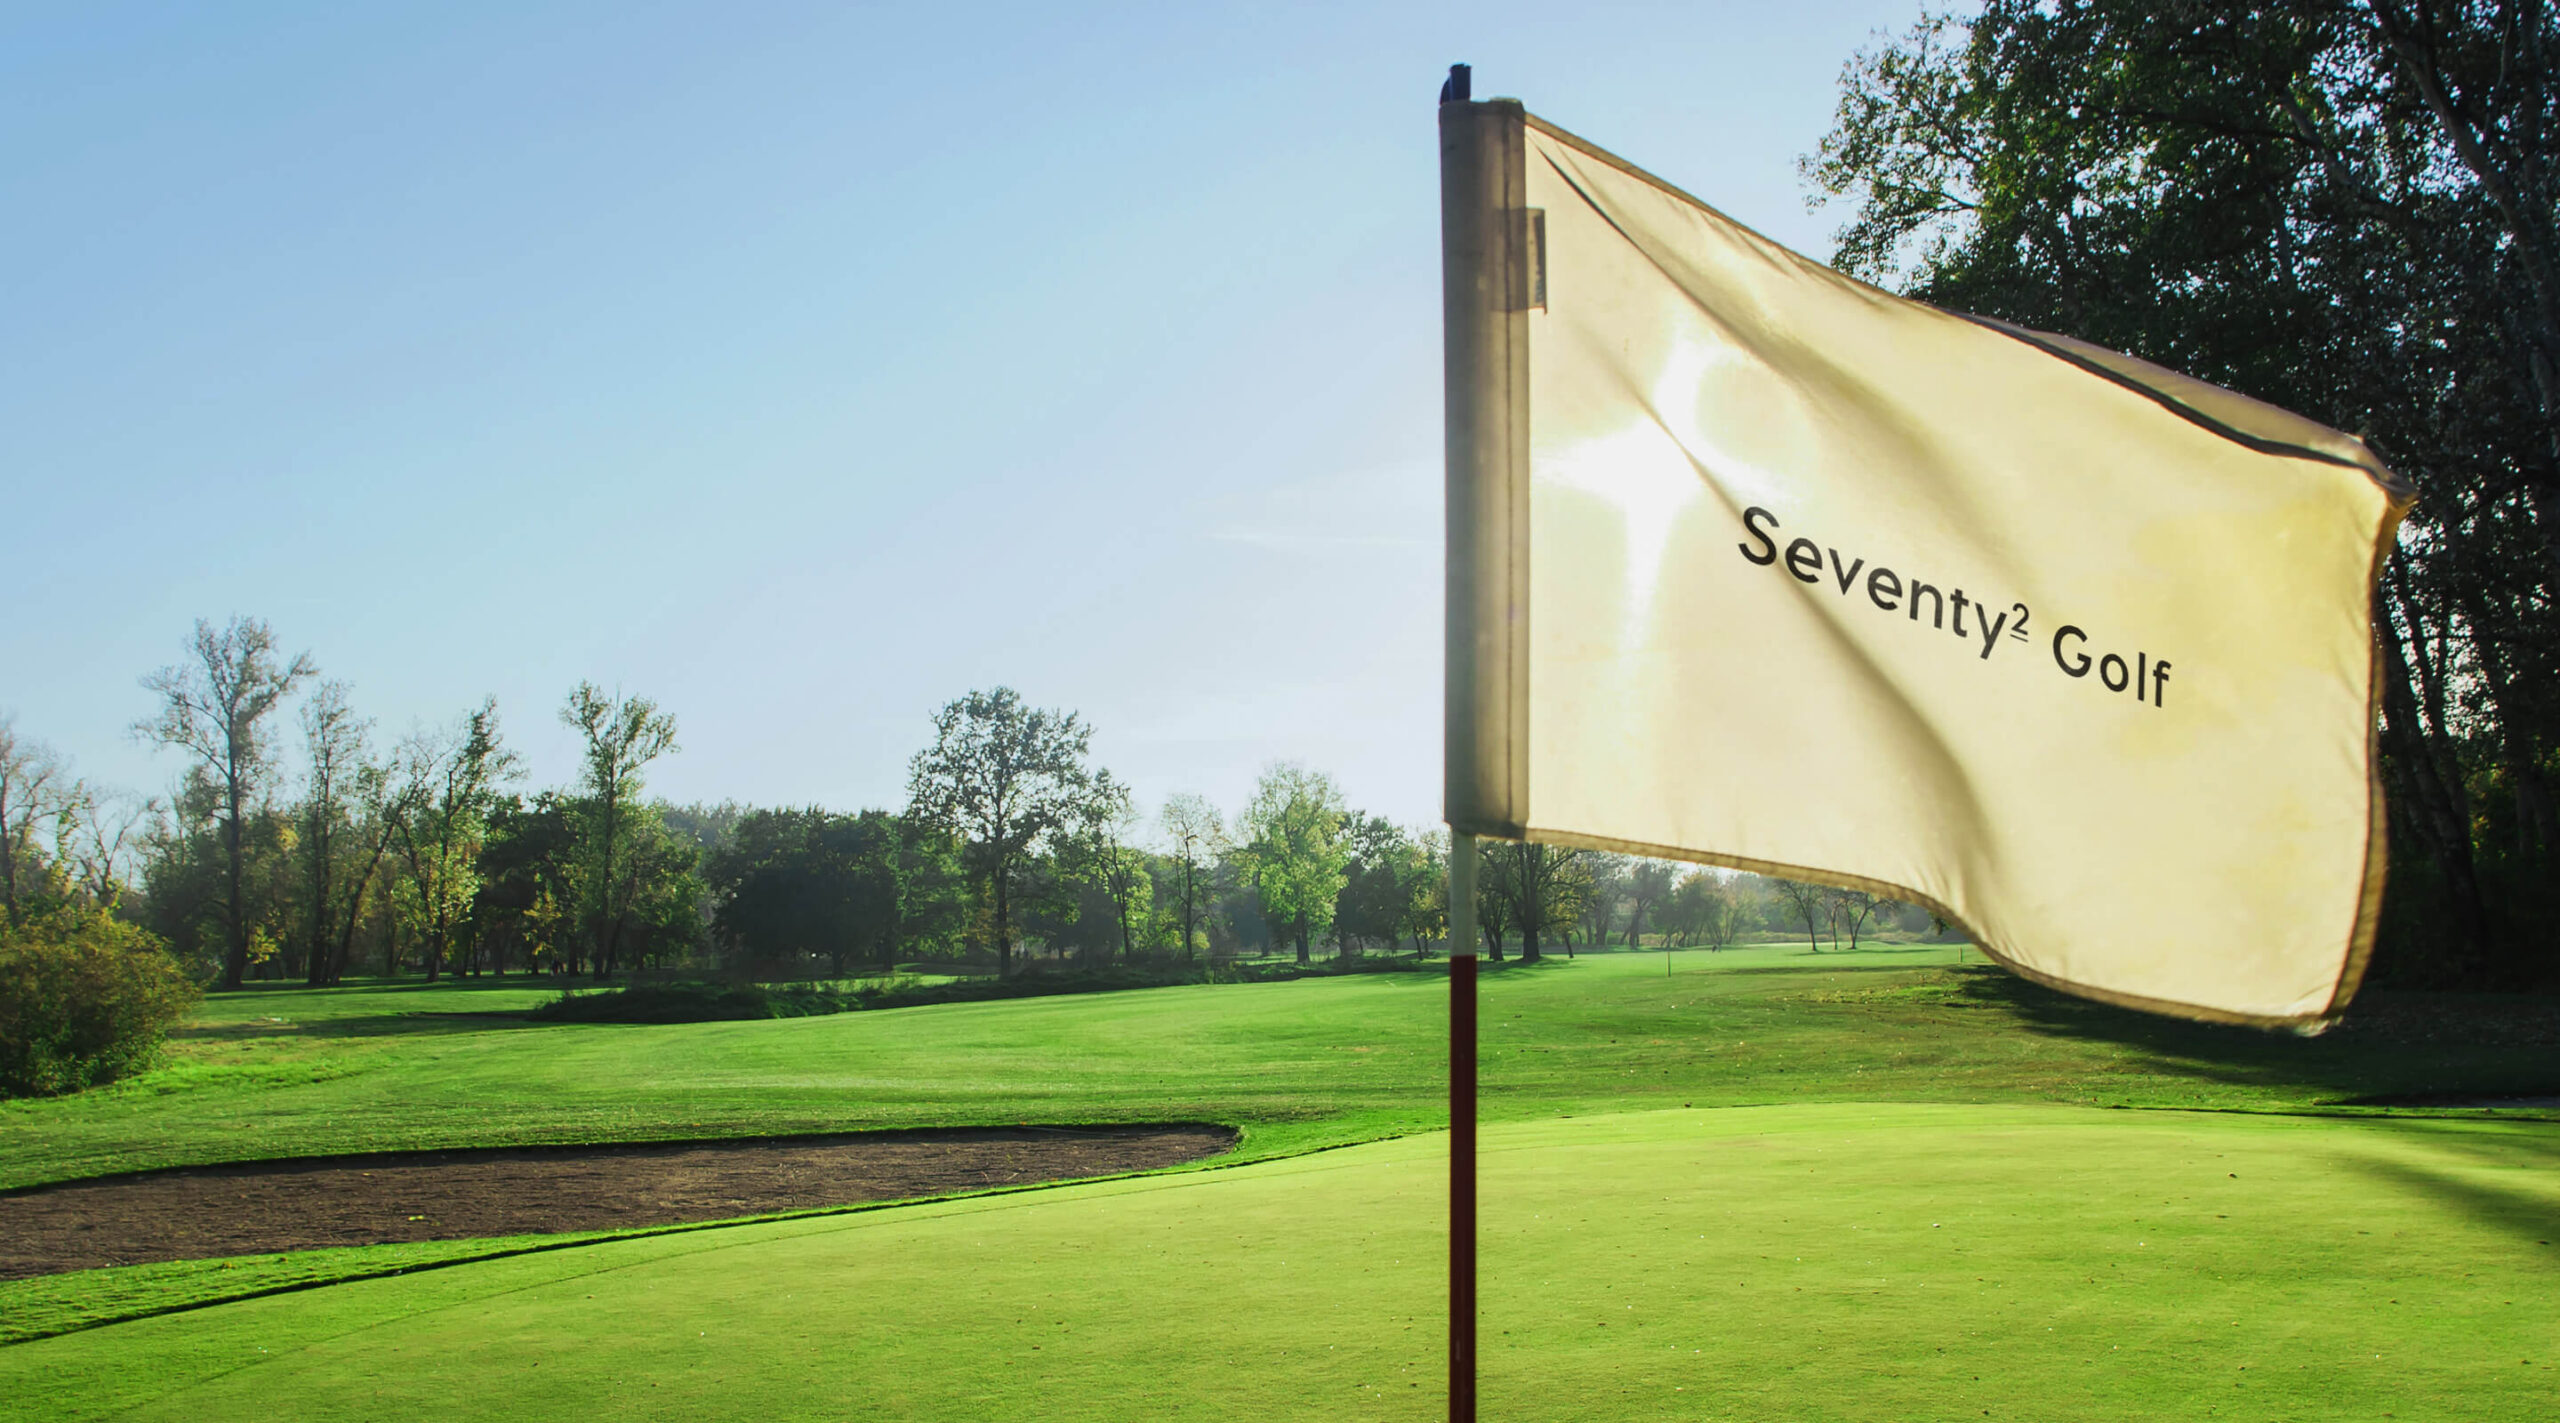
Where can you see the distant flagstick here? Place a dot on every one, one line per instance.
(1486, 377)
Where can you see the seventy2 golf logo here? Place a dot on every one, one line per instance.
(2146, 676)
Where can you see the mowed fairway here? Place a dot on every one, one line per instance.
(1772, 1185)
(1796, 1262)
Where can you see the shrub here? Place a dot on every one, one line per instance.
(84, 999)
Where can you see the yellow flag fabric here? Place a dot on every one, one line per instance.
(1827, 583)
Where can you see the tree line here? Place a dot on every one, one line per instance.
(310, 852)
(2343, 207)
(298, 844)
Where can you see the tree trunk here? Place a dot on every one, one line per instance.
(235, 962)
(315, 969)
(2430, 805)
(1004, 924)
(1186, 911)
(2518, 757)
(355, 909)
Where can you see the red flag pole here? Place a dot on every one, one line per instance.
(1462, 1128)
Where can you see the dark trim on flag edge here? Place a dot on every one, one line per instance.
(2377, 827)
(2382, 477)
(2306, 1024)
(2171, 403)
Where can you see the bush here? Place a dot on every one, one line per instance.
(84, 999)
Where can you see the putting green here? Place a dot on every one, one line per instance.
(1797, 1262)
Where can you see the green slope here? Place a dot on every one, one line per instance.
(1797, 1262)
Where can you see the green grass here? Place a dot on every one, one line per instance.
(899, 1323)
(1296, 1064)
(1803, 1262)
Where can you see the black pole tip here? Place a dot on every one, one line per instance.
(1455, 90)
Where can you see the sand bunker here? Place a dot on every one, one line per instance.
(263, 1207)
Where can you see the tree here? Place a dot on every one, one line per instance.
(1720, 908)
(102, 829)
(1294, 851)
(1382, 883)
(1195, 839)
(933, 894)
(1649, 883)
(1698, 907)
(1853, 907)
(213, 707)
(788, 882)
(658, 890)
(1430, 913)
(1539, 887)
(622, 735)
(529, 883)
(1812, 904)
(450, 777)
(381, 806)
(1100, 855)
(333, 739)
(1005, 778)
(31, 796)
(1609, 884)
(866, 858)
(1493, 909)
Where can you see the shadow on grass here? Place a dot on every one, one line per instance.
(387, 1025)
(2392, 1048)
(2532, 1218)
(370, 988)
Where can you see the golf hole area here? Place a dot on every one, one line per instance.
(257, 1208)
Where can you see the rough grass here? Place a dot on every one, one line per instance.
(1800, 1262)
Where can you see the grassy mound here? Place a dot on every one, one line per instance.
(1819, 1262)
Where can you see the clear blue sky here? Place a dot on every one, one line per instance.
(799, 366)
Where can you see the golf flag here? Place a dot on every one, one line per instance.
(1755, 565)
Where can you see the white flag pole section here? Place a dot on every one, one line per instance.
(1486, 296)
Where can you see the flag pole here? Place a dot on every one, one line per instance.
(1486, 296)
(1462, 1127)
